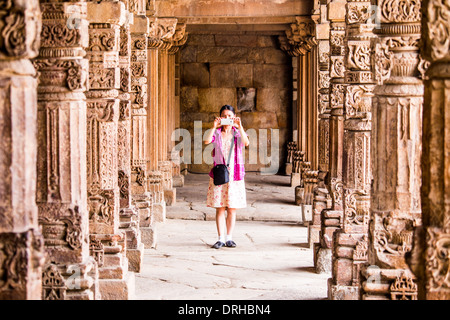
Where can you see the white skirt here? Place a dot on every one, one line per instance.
(229, 195)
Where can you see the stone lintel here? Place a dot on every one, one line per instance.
(232, 8)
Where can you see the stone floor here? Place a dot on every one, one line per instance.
(271, 261)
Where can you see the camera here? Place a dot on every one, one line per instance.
(226, 122)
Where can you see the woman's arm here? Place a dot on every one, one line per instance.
(209, 137)
(238, 123)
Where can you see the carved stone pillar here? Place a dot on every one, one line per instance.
(396, 149)
(331, 219)
(430, 253)
(320, 195)
(177, 41)
(350, 242)
(103, 111)
(302, 43)
(141, 196)
(61, 186)
(170, 31)
(21, 244)
(129, 213)
(161, 30)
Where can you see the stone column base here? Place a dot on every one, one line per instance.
(148, 236)
(178, 181)
(118, 289)
(170, 196)
(299, 195)
(341, 292)
(313, 234)
(307, 213)
(323, 260)
(135, 258)
(159, 211)
(288, 169)
(295, 179)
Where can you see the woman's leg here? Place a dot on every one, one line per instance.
(231, 221)
(221, 225)
(220, 221)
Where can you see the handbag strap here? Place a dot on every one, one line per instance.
(231, 149)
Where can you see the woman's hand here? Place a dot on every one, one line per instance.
(237, 122)
(216, 123)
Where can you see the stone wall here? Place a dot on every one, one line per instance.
(247, 71)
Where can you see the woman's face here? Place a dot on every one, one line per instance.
(228, 114)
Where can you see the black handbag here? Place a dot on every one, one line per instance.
(220, 171)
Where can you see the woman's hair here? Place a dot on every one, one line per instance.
(226, 107)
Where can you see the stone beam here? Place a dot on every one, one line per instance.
(230, 8)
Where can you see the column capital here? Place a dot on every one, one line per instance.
(301, 35)
(161, 31)
(179, 38)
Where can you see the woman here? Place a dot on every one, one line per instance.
(229, 196)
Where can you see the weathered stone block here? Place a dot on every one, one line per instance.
(267, 55)
(236, 40)
(188, 54)
(139, 25)
(323, 260)
(342, 271)
(337, 11)
(288, 169)
(273, 100)
(195, 75)
(148, 236)
(159, 211)
(189, 98)
(223, 55)
(123, 289)
(178, 181)
(135, 258)
(313, 234)
(204, 40)
(170, 196)
(295, 179)
(268, 41)
(271, 76)
(212, 99)
(299, 195)
(106, 12)
(307, 212)
(260, 120)
(231, 75)
(339, 292)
